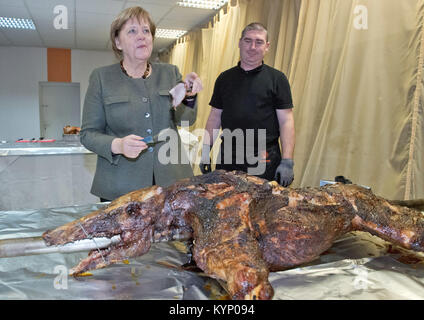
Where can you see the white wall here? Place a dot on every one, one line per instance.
(84, 62)
(21, 69)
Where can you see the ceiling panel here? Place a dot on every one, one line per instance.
(17, 3)
(185, 18)
(44, 20)
(3, 40)
(100, 6)
(144, 2)
(156, 10)
(52, 37)
(89, 21)
(190, 12)
(14, 11)
(50, 4)
(21, 37)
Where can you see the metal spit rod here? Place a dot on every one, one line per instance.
(36, 245)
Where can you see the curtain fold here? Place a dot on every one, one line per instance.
(350, 87)
(358, 92)
(414, 184)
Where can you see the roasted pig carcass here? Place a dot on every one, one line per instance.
(242, 226)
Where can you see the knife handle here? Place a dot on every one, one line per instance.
(147, 140)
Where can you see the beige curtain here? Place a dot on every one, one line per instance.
(355, 69)
(358, 95)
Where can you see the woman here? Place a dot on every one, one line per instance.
(129, 101)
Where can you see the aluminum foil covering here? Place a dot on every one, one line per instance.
(357, 266)
(41, 148)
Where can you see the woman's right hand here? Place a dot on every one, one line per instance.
(129, 146)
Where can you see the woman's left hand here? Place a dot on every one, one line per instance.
(193, 84)
(178, 94)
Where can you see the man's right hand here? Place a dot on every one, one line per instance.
(205, 162)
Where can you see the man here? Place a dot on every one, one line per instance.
(250, 98)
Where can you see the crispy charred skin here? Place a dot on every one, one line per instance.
(137, 217)
(242, 226)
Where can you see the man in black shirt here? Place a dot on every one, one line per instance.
(252, 103)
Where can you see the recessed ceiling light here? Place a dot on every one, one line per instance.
(16, 23)
(202, 4)
(169, 33)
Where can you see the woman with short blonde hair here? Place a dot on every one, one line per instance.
(130, 101)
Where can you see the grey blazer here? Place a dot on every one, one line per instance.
(115, 106)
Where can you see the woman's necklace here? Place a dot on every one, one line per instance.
(145, 75)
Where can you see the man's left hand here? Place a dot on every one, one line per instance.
(284, 174)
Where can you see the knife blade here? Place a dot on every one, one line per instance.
(152, 140)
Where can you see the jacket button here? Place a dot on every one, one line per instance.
(147, 115)
(150, 149)
(149, 131)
